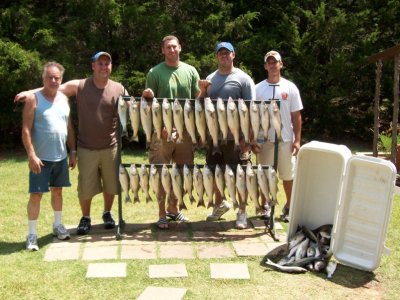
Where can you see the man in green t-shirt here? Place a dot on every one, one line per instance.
(171, 79)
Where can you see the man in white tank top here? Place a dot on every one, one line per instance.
(46, 128)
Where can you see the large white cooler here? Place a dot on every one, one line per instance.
(354, 193)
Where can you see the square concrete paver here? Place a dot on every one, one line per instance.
(229, 271)
(250, 249)
(105, 270)
(166, 271)
(97, 253)
(162, 293)
(146, 251)
(206, 251)
(182, 251)
(66, 252)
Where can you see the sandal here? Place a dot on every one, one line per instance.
(179, 217)
(162, 223)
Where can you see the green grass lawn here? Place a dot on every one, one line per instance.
(25, 275)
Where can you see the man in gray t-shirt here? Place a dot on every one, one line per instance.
(228, 81)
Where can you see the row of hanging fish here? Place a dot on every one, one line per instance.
(206, 116)
(180, 181)
(308, 250)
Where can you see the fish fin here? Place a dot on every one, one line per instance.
(182, 205)
(128, 199)
(210, 204)
(215, 150)
(191, 198)
(136, 199)
(201, 203)
(148, 199)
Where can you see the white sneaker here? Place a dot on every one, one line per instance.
(61, 232)
(241, 220)
(31, 242)
(218, 211)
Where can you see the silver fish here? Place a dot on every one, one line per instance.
(273, 185)
(275, 117)
(319, 265)
(330, 269)
(144, 182)
(232, 116)
(177, 186)
(212, 123)
(124, 180)
(178, 120)
(155, 181)
(167, 118)
(302, 249)
(145, 118)
(123, 115)
(252, 186)
(198, 183)
(264, 115)
(208, 181)
(188, 183)
(286, 269)
(255, 118)
(134, 115)
(188, 115)
(156, 113)
(219, 180)
(241, 184)
(200, 118)
(166, 181)
(134, 182)
(230, 182)
(296, 239)
(222, 120)
(244, 119)
(263, 182)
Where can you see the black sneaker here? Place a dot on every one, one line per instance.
(84, 226)
(109, 222)
(285, 214)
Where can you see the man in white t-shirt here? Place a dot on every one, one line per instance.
(277, 87)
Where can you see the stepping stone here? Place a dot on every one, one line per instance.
(181, 251)
(229, 271)
(167, 271)
(250, 249)
(162, 293)
(147, 251)
(206, 251)
(64, 252)
(105, 270)
(97, 253)
(205, 236)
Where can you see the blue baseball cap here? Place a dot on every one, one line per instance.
(225, 45)
(99, 54)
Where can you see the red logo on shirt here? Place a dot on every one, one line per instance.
(284, 96)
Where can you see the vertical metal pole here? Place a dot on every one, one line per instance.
(395, 107)
(121, 222)
(376, 107)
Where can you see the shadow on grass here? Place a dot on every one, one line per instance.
(344, 275)
(7, 248)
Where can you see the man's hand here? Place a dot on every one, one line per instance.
(203, 86)
(72, 160)
(35, 164)
(148, 93)
(21, 97)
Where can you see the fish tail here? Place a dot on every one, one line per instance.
(237, 147)
(191, 198)
(136, 199)
(216, 149)
(235, 204)
(128, 199)
(148, 199)
(224, 141)
(182, 205)
(201, 202)
(210, 204)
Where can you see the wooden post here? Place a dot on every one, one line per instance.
(376, 107)
(395, 107)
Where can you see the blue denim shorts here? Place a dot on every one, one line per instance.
(53, 174)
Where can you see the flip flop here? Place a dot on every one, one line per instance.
(179, 217)
(162, 223)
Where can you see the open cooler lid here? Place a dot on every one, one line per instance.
(363, 212)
